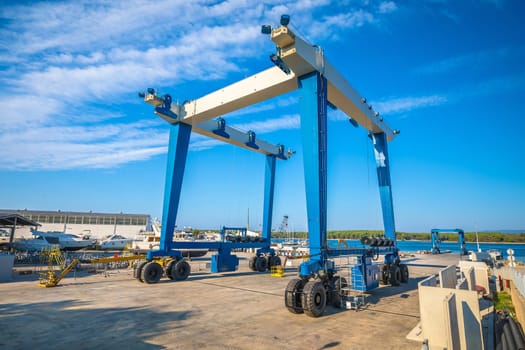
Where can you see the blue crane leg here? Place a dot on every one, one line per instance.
(269, 184)
(385, 188)
(313, 103)
(177, 152)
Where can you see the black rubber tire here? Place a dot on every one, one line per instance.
(137, 271)
(151, 273)
(261, 264)
(365, 240)
(169, 268)
(181, 270)
(275, 261)
(313, 298)
(251, 263)
(292, 295)
(404, 273)
(384, 275)
(395, 275)
(336, 295)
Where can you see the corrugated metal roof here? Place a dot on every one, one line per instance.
(16, 219)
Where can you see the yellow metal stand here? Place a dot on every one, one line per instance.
(54, 257)
(277, 271)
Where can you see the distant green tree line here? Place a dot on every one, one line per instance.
(469, 236)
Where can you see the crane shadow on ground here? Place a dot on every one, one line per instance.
(72, 324)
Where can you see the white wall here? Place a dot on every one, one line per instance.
(95, 231)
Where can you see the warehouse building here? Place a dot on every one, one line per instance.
(95, 225)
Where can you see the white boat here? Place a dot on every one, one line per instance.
(146, 241)
(496, 255)
(66, 241)
(151, 241)
(4, 237)
(117, 242)
(292, 248)
(35, 244)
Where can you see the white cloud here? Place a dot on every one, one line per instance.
(270, 125)
(387, 7)
(331, 25)
(68, 147)
(202, 143)
(73, 65)
(472, 61)
(405, 104)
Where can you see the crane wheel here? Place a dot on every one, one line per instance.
(251, 263)
(385, 274)
(404, 273)
(151, 272)
(292, 295)
(169, 268)
(336, 295)
(137, 271)
(313, 298)
(261, 264)
(181, 270)
(395, 275)
(274, 260)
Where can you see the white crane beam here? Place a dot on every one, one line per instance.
(303, 58)
(251, 90)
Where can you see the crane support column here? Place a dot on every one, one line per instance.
(313, 104)
(379, 141)
(177, 153)
(269, 185)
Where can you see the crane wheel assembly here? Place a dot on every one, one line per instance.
(311, 295)
(263, 263)
(151, 272)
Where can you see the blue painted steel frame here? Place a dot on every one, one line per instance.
(434, 233)
(385, 188)
(313, 107)
(177, 153)
(269, 185)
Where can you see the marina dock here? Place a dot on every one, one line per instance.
(234, 310)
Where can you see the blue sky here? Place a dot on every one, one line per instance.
(448, 74)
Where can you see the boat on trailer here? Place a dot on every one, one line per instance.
(66, 241)
(116, 242)
(150, 241)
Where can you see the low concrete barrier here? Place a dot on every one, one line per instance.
(6, 267)
(453, 314)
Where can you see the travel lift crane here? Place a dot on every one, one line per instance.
(436, 242)
(298, 65)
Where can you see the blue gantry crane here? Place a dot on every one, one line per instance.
(297, 65)
(436, 242)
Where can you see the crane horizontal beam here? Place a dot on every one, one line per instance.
(239, 138)
(295, 58)
(216, 129)
(302, 58)
(259, 87)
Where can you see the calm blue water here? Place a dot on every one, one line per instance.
(414, 246)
